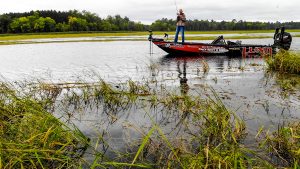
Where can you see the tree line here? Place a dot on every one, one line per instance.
(208, 25)
(74, 20)
(57, 21)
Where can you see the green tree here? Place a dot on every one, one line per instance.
(39, 25)
(49, 24)
(32, 19)
(164, 25)
(78, 24)
(62, 27)
(90, 17)
(106, 26)
(21, 25)
(5, 20)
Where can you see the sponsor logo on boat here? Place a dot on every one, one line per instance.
(261, 51)
(168, 45)
(212, 49)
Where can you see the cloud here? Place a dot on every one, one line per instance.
(149, 11)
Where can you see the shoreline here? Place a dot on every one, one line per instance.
(6, 39)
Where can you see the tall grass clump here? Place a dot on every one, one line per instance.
(285, 62)
(31, 137)
(288, 82)
(219, 138)
(283, 145)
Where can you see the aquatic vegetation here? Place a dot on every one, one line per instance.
(284, 144)
(218, 139)
(288, 84)
(242, 68)
(254, 64)
(285, 62)
(205, 66)
(214, 139)
(206, 133)
(31, 137)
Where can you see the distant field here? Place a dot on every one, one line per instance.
(5, 38)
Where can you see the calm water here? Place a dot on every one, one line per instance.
(241, 83)
(113, 61)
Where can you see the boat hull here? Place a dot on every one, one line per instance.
(192, 48)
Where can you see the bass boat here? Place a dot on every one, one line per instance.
(282, 40)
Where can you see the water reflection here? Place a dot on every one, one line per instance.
(182, 76)
(240, 82)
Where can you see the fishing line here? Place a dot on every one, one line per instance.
(176, 5)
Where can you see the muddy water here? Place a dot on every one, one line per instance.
(242, 83)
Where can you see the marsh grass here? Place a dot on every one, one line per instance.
(214, 139)
(288, 83)
(218, 139)
(284, 144)
(285, 62)
(31, 137)
(213, 135)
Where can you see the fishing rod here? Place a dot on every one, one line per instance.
(176, 6)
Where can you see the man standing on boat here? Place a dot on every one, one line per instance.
(181, 19)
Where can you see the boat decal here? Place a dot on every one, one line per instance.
(212, 49)
(262, 51)
(167, 45)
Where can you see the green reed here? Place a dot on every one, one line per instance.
(285, 62)
(284, 144)
(31, 137)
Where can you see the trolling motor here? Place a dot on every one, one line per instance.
(282, 39)
(150, 35)
(150, 38)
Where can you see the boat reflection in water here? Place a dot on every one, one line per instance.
(182, 76)
(189, 70)
(242, 84)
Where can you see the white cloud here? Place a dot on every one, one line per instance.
(148, 11)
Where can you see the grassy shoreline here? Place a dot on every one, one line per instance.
(5, 38)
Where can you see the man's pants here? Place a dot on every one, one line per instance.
(179, 29)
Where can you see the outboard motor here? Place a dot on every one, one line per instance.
(282, 39)
(219, 41)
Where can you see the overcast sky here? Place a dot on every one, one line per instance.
(148, 11)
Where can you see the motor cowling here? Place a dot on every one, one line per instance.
(282, 39)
